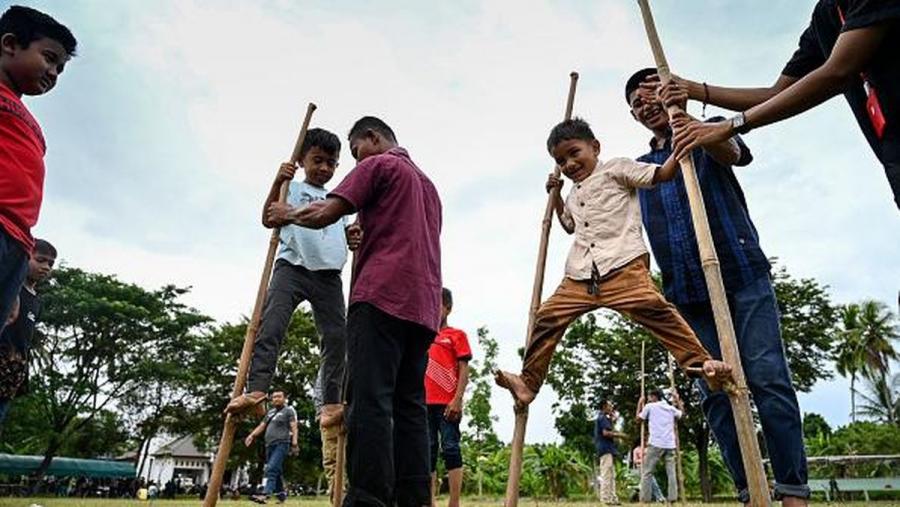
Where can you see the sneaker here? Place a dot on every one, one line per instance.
(258, 499)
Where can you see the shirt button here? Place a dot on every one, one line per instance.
(741, 240)
(578, 186)
(592, 245)
(581, 204)
(585, 224)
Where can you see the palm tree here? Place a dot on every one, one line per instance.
(867, 335)
(881, 401)
(848, 353)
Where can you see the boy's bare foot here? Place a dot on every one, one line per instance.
(520, 392)
(332, 414)
(716, 373)
(244, 403)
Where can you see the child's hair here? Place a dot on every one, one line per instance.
(371, 123)
(447, 297)
(634, 82)
(576, 128)
(322, 139)
(658, 393)
(42, 246)
(603, 403)
(29, 25)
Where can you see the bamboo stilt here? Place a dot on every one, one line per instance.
(739, 395)
(518, 441)
(678, 465)
(643, 422)
(224, 450)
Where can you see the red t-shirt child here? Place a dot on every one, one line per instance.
(21, 168)
(449, 348)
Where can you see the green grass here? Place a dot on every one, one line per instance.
(70, 502)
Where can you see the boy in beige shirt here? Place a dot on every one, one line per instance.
(608, 265)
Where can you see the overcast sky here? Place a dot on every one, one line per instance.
(164, 134)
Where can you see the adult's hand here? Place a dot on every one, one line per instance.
(698, 134)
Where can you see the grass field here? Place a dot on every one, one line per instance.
(67, 502)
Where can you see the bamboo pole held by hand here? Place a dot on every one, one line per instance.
(224, 450)
(679, 469)
(518, 441)
(739, 394)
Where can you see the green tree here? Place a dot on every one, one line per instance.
(296, 374)
(480, 419)
(815, 425)
(96, 343)
(866, 343)
(881, 398)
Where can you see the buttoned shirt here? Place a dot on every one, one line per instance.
(605, 213)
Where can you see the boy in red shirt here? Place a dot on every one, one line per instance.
(445, 385)
(34, 49)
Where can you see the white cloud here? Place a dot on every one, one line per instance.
(165, 133)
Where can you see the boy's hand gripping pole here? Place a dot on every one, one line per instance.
(518, 442)
(739, 395)
(224, 450)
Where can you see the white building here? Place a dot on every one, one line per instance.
(180, 460)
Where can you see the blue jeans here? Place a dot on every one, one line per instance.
(275, 454)
(754, 312)
(439, 426)
(4, 411)
(13, 268)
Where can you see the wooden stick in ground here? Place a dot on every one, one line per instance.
(224, 450)
(643, 422)
(337, 487)
(518, 441)
(738, 393)
(679, 469)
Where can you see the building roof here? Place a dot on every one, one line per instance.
(182, 447)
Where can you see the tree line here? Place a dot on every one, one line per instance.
(115, 365)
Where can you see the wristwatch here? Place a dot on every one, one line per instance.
(739, 124)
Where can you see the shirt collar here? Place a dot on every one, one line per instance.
(399, 151)
(667, 144)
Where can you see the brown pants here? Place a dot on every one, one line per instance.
(628, 290)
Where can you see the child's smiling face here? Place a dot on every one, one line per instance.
(576, 158)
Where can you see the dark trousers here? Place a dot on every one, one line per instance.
(290, 286)
(275, 454)
(387, 425)
(13, 268)
(439, 428)
(754, 312)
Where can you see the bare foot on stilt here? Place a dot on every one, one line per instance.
(520, 392)
(249, 403)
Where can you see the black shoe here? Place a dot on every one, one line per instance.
(259, 499)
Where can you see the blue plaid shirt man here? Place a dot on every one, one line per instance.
(667, 220)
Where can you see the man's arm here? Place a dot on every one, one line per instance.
(453, 412)
(852, 52)
(294, 434)
(257, 431)
(640, 408)
(315, 215)
(726, 152)
(285, 174)
(733, 98)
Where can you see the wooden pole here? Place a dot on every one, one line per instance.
(679, 469)
(643, 422)
(738, 393)
(518, 441)
(224, 450)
